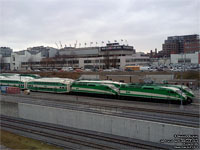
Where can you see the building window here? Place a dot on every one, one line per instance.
(87, 61)
(182, 60)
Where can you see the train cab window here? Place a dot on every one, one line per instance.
(171, 92)
(123, 86)
(108, 88)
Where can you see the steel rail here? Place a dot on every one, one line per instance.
(178, 113)
(124, 113)
(58, 137)
(89, 135)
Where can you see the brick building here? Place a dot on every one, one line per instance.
(191, 46)
(181, 44)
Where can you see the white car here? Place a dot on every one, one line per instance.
(67, 69)
(37, 70)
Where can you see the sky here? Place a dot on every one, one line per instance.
(144, 24)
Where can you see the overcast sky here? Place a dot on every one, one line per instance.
(145, 24)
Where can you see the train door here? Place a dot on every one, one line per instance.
(68, 88)
(25, 85)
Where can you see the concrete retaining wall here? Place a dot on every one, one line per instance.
(133, 128)
(160, 78)
(9, 109)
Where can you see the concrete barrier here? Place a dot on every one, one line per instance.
(9, 109)
(133, 128)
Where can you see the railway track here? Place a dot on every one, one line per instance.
(178, 113)
(120, 112)
(106, 142)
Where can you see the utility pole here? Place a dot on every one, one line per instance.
(181, 107)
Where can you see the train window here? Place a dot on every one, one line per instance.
(148, 88)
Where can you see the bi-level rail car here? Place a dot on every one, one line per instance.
(15, 81)
(54, 85)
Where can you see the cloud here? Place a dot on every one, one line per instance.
(145, 24)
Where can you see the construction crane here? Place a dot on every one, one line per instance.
(60, 44)
(57, 45)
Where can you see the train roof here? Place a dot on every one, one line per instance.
(9, 74)
(171, 88)
(180, 86)
(158, 86)
(2, 77)
(98, 84)
(16, 78)
(31, 75)
(101, 81)
(62, 80)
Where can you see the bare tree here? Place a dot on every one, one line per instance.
(107, 59)
(114, 61)
(2, 65)
(48, 62)
(30, 63)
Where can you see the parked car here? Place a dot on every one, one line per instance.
(67, 69)
(37, 70)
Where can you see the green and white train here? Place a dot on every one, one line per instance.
(13, 75)
(184, 89)
(100, 87)
(94, 88)
(152, 92)
(15, 81)
(116, 84)
(54, 85)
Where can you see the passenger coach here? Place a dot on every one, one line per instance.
(54, 85)
(15, 81)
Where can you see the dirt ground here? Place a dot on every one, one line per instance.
(14, 141)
